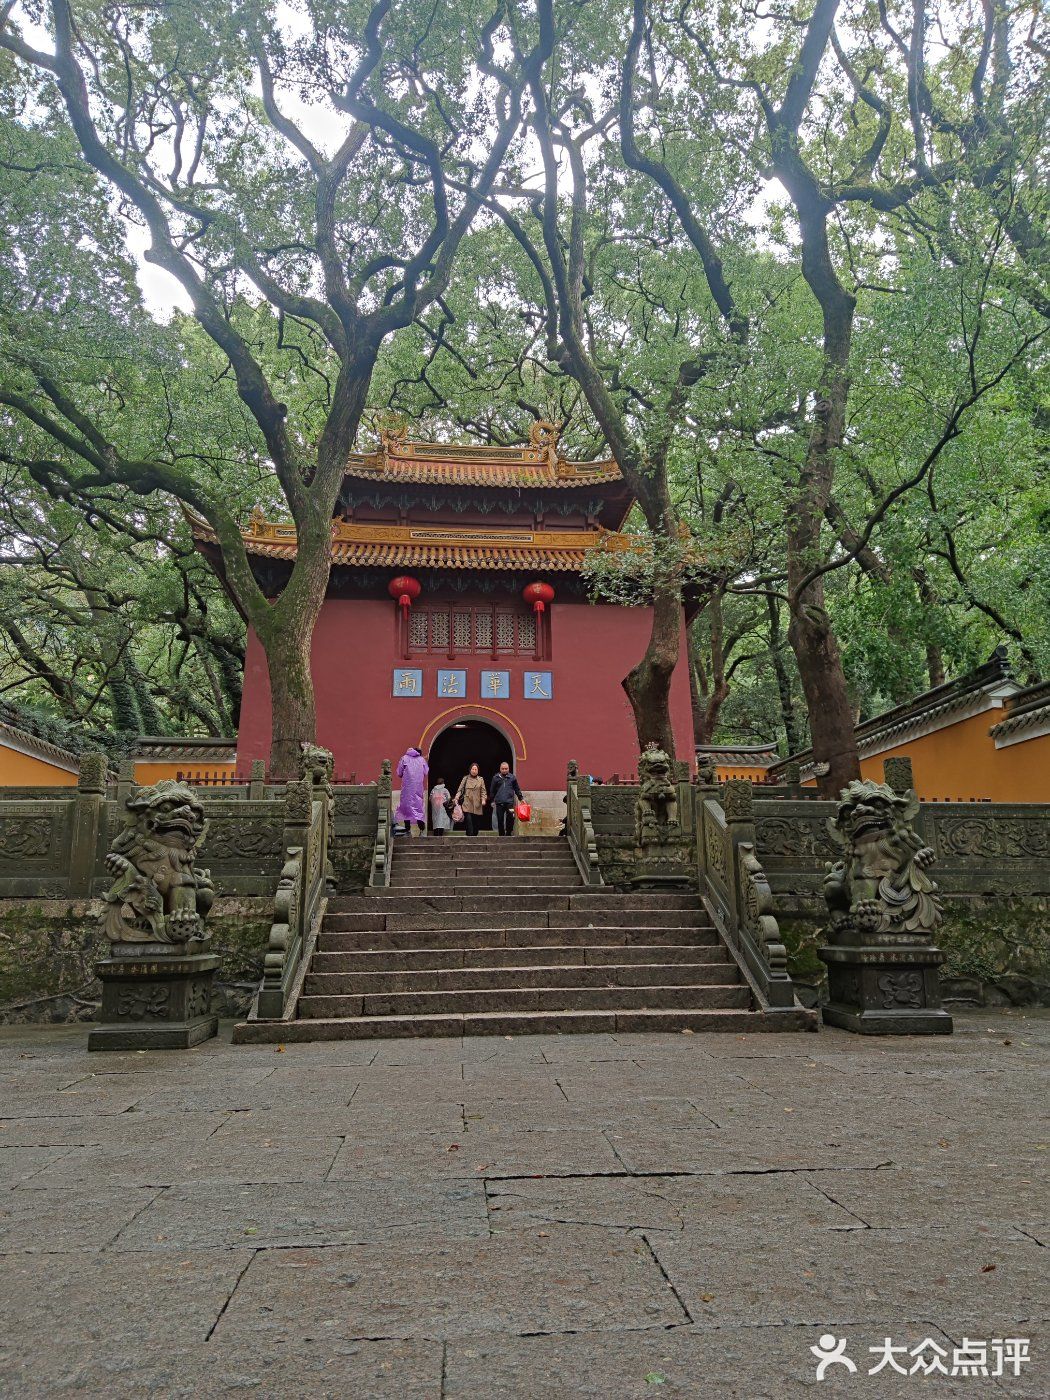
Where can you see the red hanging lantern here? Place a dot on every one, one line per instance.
(539, 595)
(405, 589)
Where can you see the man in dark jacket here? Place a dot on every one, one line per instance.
(503, 791)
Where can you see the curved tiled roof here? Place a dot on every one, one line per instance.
(538, 464)
(740, 755)
(1028, 710)
(435, 546)
(11, 736)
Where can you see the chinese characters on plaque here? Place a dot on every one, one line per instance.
(492, 685)
(408, 682)
(452, 683)
(538, 685)
(495, 685)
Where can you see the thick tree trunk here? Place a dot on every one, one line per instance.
(934, 664)
(787, 699)
(696, 687)
(930, 601)
(294, 720)
(709, 699)
(648, 685)
(810, 632)
(827, 697)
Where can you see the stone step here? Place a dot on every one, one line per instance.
(486, 843)
(534, 919)
(475, 885)
(546, 955)
(323, 983)
(523, 1023)
(524, 924)
(431, 938)
(523, 838)
(688, 998)
(525, 870)
(539, 912)
(439, 848)
(581, 898)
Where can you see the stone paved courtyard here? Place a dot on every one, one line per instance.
(589, 1216)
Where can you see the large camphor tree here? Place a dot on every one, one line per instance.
(301, 171)
(662, 133)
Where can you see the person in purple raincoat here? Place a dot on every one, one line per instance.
(412, 770)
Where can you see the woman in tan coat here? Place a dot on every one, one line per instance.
(472, 796)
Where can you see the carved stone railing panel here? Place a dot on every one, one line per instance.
(613, 807)
(300, 899)
(35, 839)
(716, 854)
(383, 847)
(995, 848)
(579, 825)
(355, 810)
(736, 891)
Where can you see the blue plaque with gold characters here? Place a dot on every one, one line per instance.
(495, 685)
(452, 685)
(407, 681)
(538, 685)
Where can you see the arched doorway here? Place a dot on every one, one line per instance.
(465, 742)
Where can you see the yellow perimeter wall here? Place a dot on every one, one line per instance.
(153, 772)
(23, 770)
(961, 762)
(756, 775)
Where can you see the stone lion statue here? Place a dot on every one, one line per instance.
(656, 811)
(158, 895)
(880, 885)
(316, 764)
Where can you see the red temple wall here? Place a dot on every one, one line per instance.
(589, 718)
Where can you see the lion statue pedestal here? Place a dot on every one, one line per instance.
(882, 961)
(662, 858)
(157, 981)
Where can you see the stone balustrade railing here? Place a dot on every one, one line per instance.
(383, 847)
(735, 889)
(299, 903)
(579, 826)
(54, 846)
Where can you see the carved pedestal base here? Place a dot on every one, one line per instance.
(662, 867)
(152, 1002)
(883, 984)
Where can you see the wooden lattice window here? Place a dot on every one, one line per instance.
(471, 631)
(439, 631)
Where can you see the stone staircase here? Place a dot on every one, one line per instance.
(482, 936)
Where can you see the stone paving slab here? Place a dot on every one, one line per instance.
(304, 1159)
(540, 1217)
(720, 1204)
(127, 1129)
(570, 1280)
(845, 1277)
(1000, 1193)
(86, 1297)
(320, 1367)
(492, 1155)
(225, 1216)
(743, 1363)
(54, 1222)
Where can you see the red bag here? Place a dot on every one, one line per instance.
(523, 812)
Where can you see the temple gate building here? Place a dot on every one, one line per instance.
(457, 617)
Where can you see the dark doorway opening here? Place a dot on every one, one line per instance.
(463, 743)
